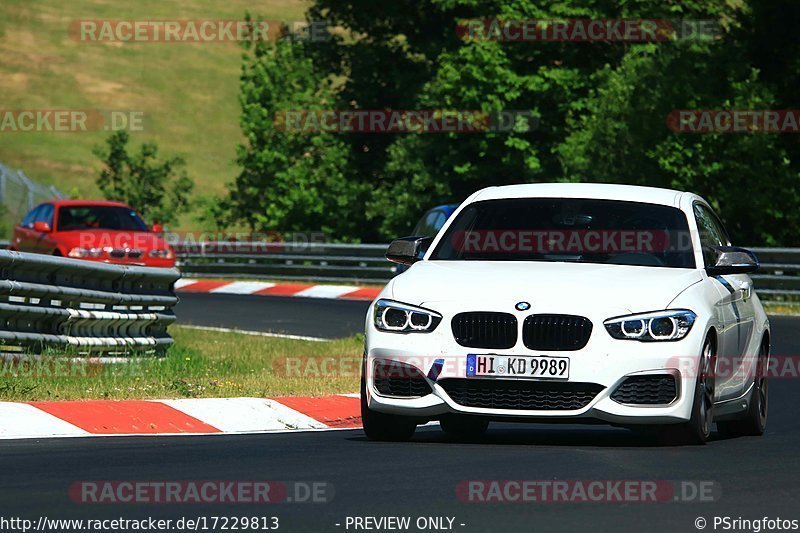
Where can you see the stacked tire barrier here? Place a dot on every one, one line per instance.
(83, 306)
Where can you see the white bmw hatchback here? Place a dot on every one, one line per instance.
(569, 302)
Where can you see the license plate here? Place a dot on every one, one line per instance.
(518, 366)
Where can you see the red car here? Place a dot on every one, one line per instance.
(111, 232)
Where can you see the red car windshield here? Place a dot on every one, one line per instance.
(89, 217)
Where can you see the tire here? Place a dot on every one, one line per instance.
(754, 421)
(697, 429)
(381, 426)
(464, 427)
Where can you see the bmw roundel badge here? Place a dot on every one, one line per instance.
(522, 306)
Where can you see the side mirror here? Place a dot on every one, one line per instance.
(732, 260)
(42, 227)
(157, 228)
(408, 250)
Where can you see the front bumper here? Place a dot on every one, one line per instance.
(604, 361)
(147, 261)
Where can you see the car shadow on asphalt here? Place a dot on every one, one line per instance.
(551, 435)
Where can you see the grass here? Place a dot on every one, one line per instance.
(202, 364)
(782, 309)
(188, 92)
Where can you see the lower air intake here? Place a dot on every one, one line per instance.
(520, 395)
(399, 380)
(658, 389)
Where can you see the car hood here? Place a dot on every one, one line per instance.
(143, 240)
(548, 287)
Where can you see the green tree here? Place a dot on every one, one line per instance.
(620, 136)
(290, 181)
(158, 189)
(602, 110)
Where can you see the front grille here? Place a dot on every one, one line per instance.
(658, 389)
(519, 394)
(396, 379)
(117, 253)
(135, 253)
(556, 332)
(485, 330)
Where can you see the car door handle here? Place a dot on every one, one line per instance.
(747, 290)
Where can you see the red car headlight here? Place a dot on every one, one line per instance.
(164, 253)
(83, 253)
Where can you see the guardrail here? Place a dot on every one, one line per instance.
(357, 263)
(62, 303)
(778, 279)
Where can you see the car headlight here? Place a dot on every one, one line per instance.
(657, 326)
(82, 253)
(165, 253)
(397, 317)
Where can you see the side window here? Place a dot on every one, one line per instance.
(27, 222)
(429, 227)
(45, 214)
(711, 232)
(424, 226)
(720, 228)
(438, 222)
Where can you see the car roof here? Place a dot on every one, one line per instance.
(87, 203)
(447, 208)
(597, 191)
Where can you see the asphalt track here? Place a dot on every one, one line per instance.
(758, 477)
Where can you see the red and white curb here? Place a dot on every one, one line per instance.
(261, 288)
(177, 417)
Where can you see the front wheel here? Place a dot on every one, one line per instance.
(384, 427)
(697, 429)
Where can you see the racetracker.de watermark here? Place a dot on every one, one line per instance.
(196, 31)
(734, 121)
(410, 366)
(161, 492)
(322, 367)
(23, 366)
(69, 120)
(739, 366)
(566, 241)
(404, 121)
(588, 491)
(633, 30)
(203, 242)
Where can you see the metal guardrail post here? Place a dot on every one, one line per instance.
(3, 179)
(56, 192)
(30, 187)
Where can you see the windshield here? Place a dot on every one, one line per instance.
(88, 217)
(569, 229)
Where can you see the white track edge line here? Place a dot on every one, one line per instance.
(254, 333)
